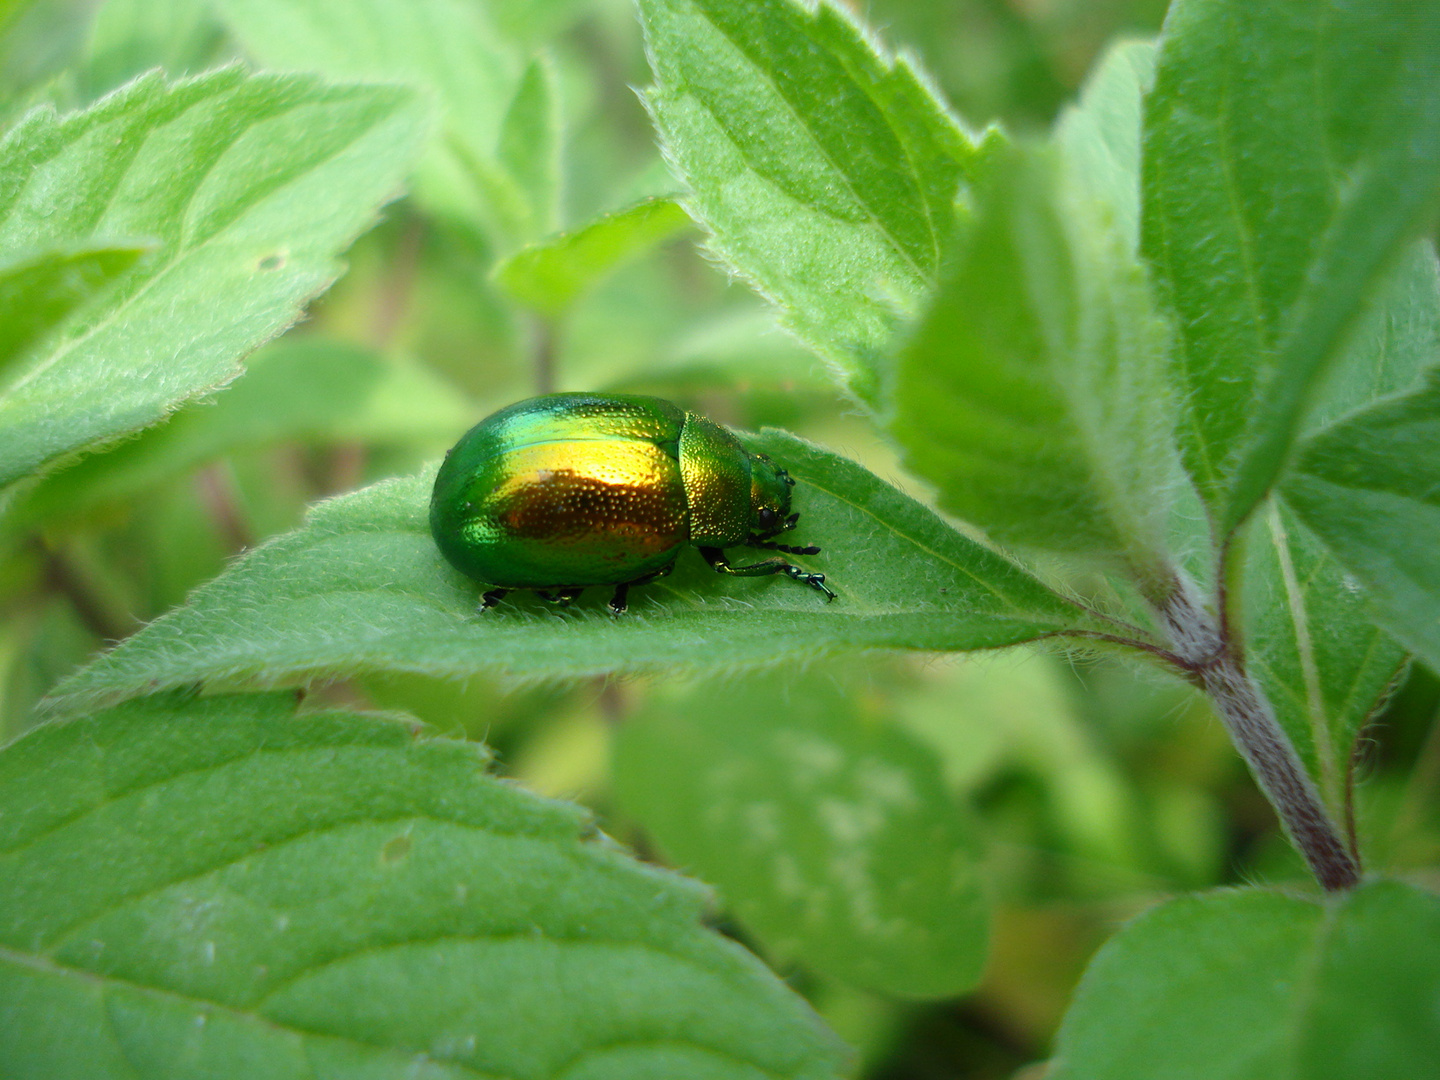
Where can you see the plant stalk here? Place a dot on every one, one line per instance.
(1211, 659)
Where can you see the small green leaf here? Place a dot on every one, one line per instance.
(37, 292)
(1369, 487)
(1292, 150)
(447, 47)
(221, 887)
(366, 563)
(825, 170)
(828, 832)
(1250, 985)
(551, 275)
(299, 388)
(529, 146)
(1312, 642)
(249, 185)
(1031, 391)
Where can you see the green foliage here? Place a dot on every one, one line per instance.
(1255, 984)
(190, 886)
(827, 831)
(1291, 155)
(1178, 345)
(227, 175)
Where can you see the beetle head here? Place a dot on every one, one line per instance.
(769, 498)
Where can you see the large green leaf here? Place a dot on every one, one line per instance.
(449, 48)
(37, 292)
(248, 185)
(825, 170)
(1031, 392)
(362, 588)
(1369, 487)
(223, 888)
(1251, 985)
(1292, 149)
(829, 832)
(301, 388)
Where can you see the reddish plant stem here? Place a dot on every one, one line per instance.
(1212, 662)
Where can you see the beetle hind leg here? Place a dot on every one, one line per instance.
(620, 602)
(721, 565)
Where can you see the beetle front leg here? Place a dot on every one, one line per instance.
(721, 565)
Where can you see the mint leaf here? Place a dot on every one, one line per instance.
(37, 292)
(1291, 152)
(552, 274)
(1031, 391)
(447, 47)
(366, 562)
(825, 170)
(828, 832)
(223, 886)
(1251, 984)
(248, 185)
(1312, 642)
(1369, 487)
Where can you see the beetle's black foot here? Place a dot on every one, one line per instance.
(561, 597)
(620, 601)
(770, 545)
(493, 597)
(815, 581)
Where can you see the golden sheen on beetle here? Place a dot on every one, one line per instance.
(565, 491)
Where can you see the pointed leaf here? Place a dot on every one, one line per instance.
(224, 888)
(1369, 487)
(825, 169)
(551, 275)
(1250, 985)
(829, 833)
(1292, 150)
(366, 563)
(249, 185)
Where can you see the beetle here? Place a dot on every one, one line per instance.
(561, 492)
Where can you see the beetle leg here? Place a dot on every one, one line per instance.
(619, 602)
(721, 565)
(491, 598)
(771, 546)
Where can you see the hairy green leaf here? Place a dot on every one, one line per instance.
(221, 887)
(1312, 642)
(38, 292)
(1369, 487)
(299, 388)
(447, 47)
(248, 185)
(829, 832)
(1031, 391)
(551, 275)
(825, 170)
(362, 588)
(1310, 633)
(1251, 985)
(1292, 150)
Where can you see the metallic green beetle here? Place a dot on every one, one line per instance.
(565, 491)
